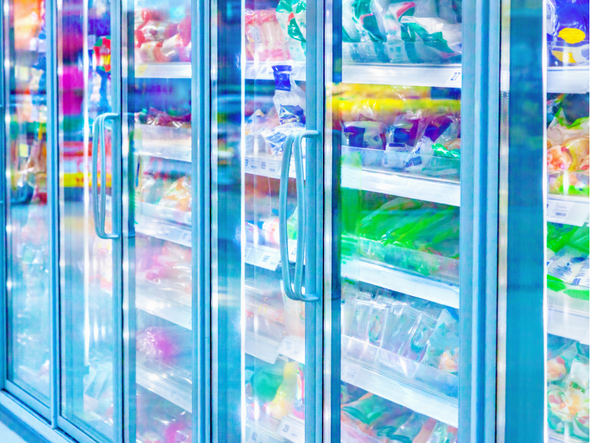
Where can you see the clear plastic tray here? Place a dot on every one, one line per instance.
(396, 51)
(394, 365)
(431, 166)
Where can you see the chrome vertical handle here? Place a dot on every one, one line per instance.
(302, 226)
(283, 237)
(99, 148)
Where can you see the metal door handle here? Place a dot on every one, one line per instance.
(294, 290)
(283, 237)
(99, 212)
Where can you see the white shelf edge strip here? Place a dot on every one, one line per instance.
(160, 386)
(443, 76)
(402, 186)
(405, 395)
(569, 324)
(165, 310)
(403, 282)
(268, 350)
(163, 70)
(163, 231)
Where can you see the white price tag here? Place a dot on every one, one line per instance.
(186, 155)
(263, 258)
(349, 372)
(571, 213)
(454, 80)
(293, 430)
(258, 437)
(293, 348)
(185, 238)
(292, 250)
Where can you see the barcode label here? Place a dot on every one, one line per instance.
(293, 348)
(558, 211)
(263, 257)
(293, 430)
(185, 238)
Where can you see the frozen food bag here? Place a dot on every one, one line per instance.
(567, 264)
(434, 32)
(411, 428)
(178, 195)
(402, 321)
(266, 381)
(285, 397)
(291, 17)
(443, 433)
(164, 344)
(559, 363)
(289, 99)
(443, 346)
(567, 32)
(414, 348)
(364, 134)
(370, 14)
(275, 139)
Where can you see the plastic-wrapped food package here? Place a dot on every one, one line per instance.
(160, 343)
(264, 37)
(443, 346)
(567, 31)
(162, 38)
(289, 99)
(567, 390)
(178, 196)
(434, 32)
(291, 15)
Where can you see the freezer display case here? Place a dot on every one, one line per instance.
(567, 241)
(393, 128)
(26, 248)
(395, 117)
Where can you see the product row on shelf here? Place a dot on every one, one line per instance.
(571, 80)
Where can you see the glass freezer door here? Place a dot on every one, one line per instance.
(157, 220)
(260, 179)
(26, 246)
(567, 202)
(395, 113)
(88, 182)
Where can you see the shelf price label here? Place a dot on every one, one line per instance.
(349, 372)
(454, 80)
(293, 348)
(292, 429)
(571, 213)
(258, 437)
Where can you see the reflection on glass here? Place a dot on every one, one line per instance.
(27, 250)
(161, 210)
(86, 272)
(400, 157)
(259, 341)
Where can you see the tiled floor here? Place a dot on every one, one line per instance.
(8, 436)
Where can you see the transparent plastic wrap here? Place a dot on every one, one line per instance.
(568, 147)
(396, 339)
(162, 35)
(412, 235)
(568, 265)
(567, 32)
(372, 419)
(410, 140)
(567, 390)
(382, 31)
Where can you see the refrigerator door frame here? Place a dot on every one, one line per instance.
(480, 119)
(201, 110)
(522, 293)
